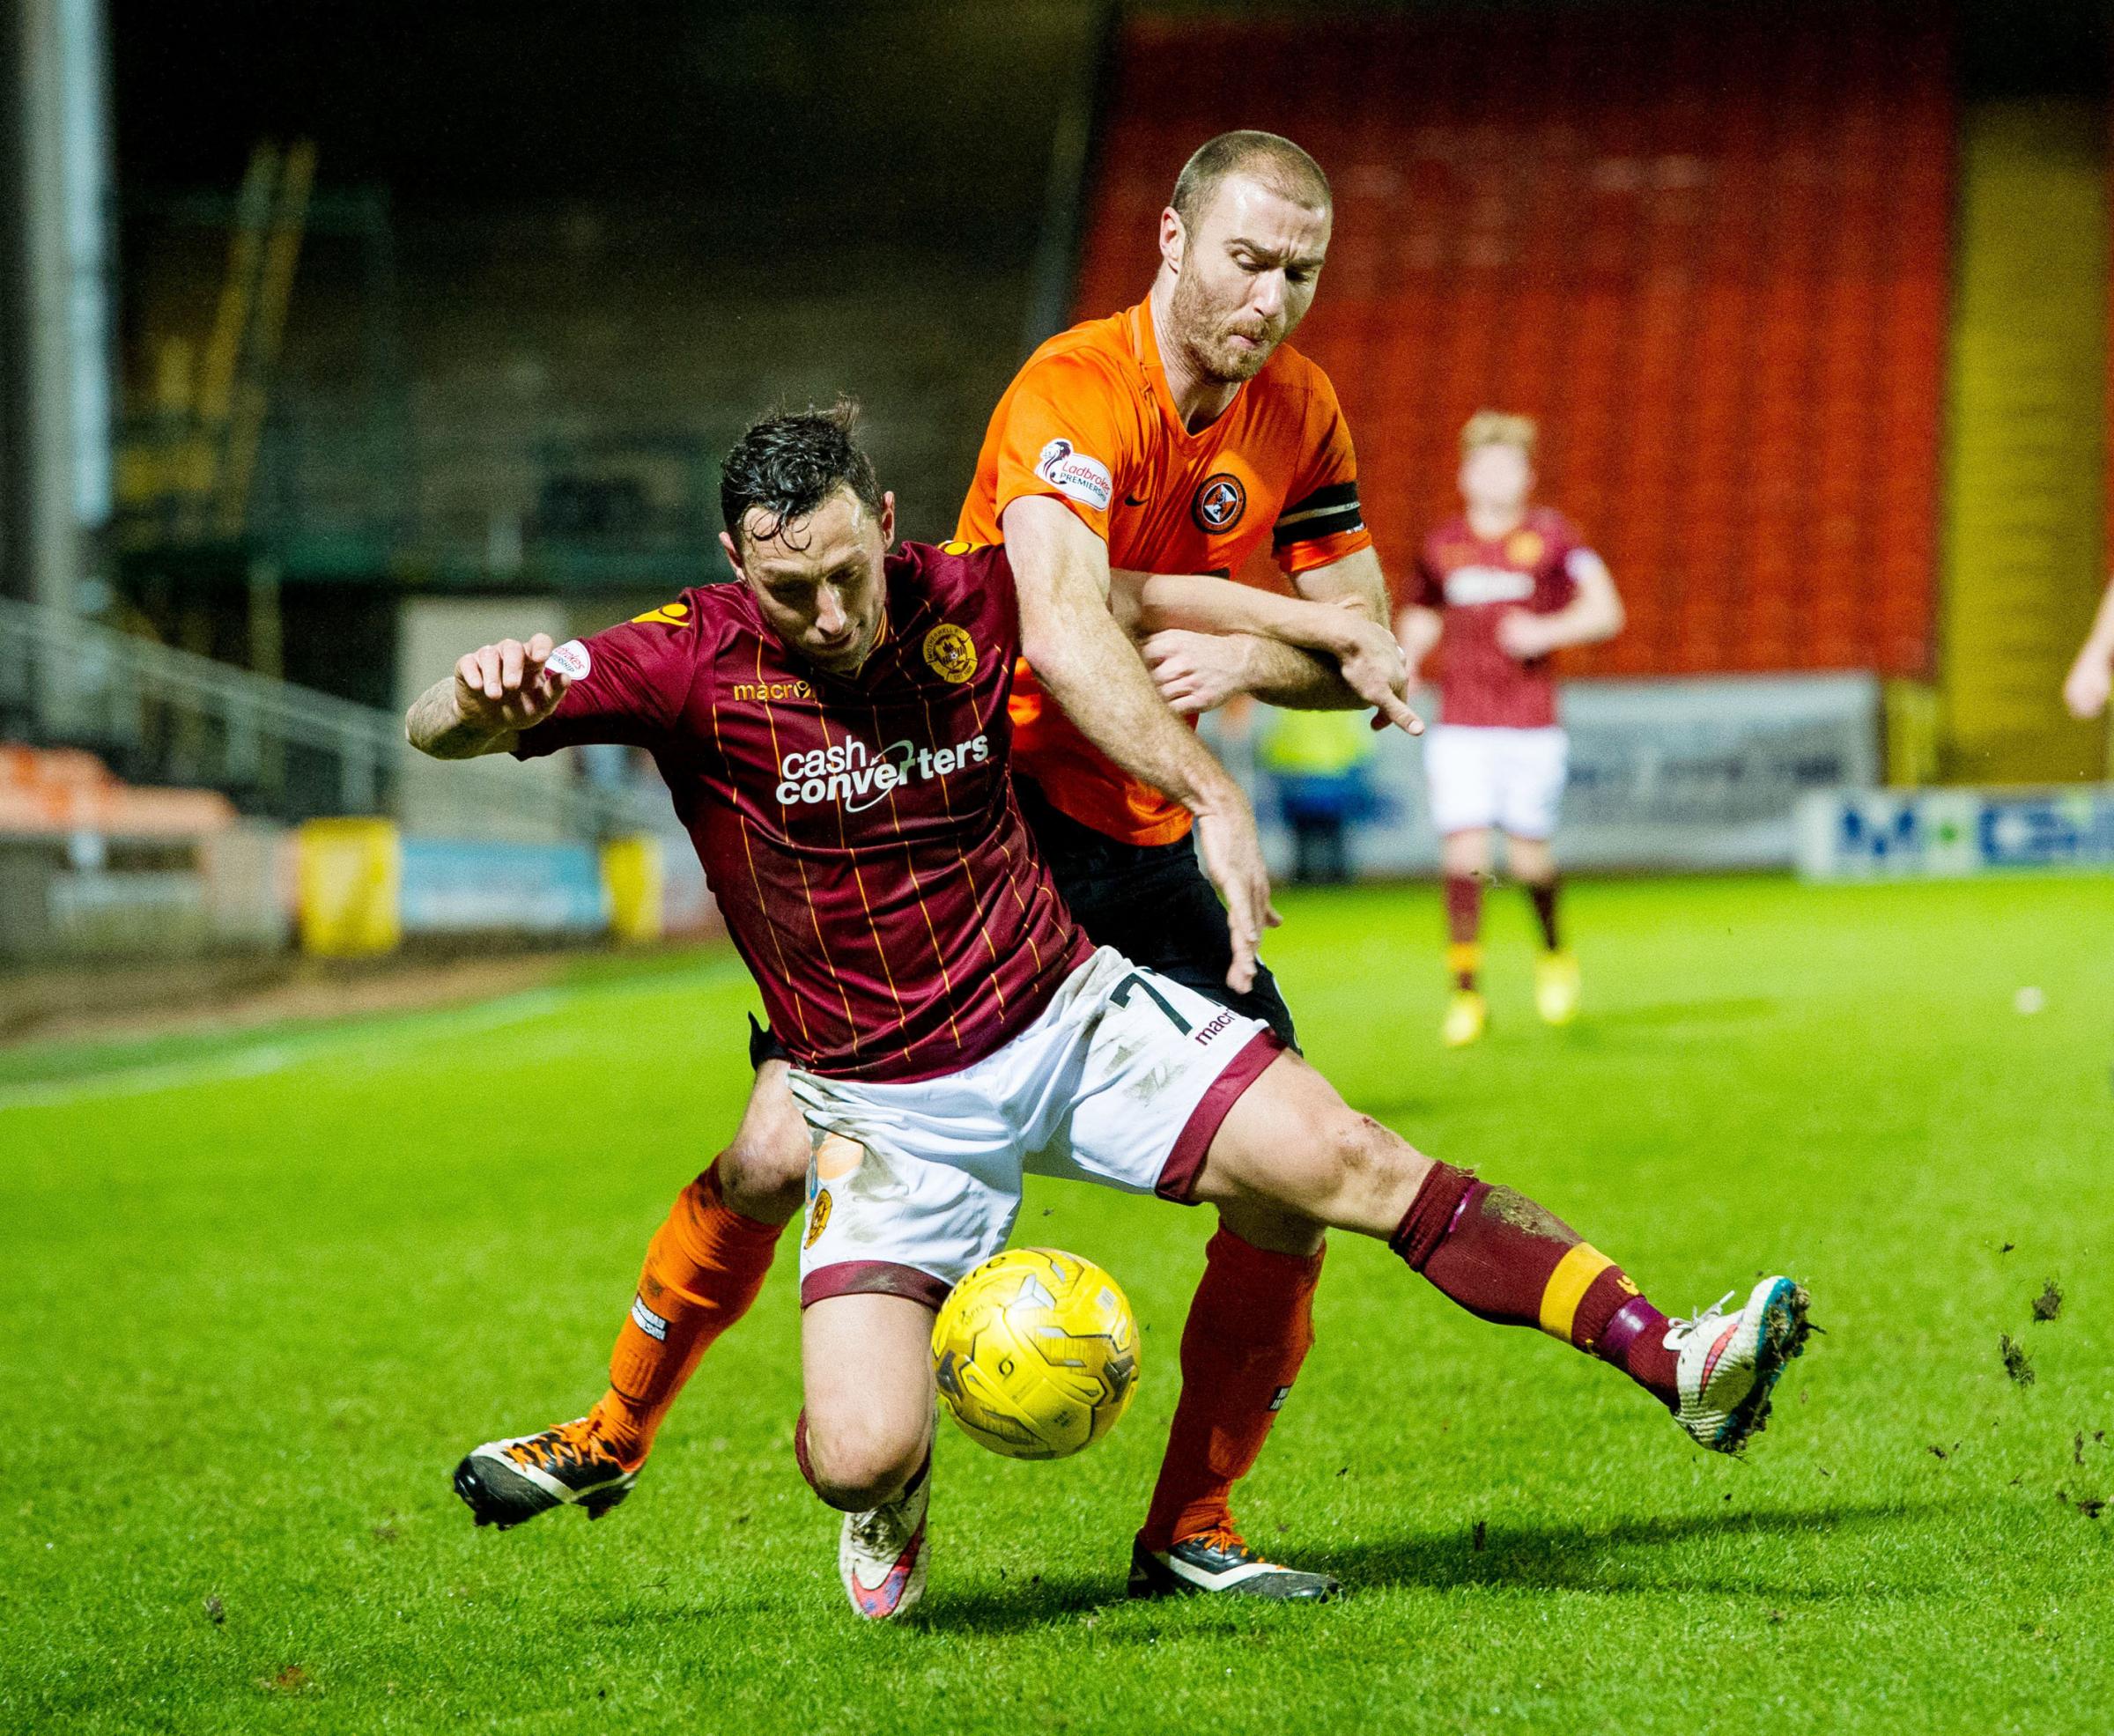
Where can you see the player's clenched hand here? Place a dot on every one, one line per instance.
(1232, 855)
(1196, 672)
(506, 686)
(1375, 669)
(1522, 634)
(2085, 691)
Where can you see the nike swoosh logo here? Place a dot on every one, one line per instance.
(1135, 500)
(1710, 1362)
(879, 1601)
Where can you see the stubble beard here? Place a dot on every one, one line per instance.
(1204, 344)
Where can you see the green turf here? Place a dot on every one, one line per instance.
(257, 1297)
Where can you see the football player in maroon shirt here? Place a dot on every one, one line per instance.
(1497, 590)
(835, 732)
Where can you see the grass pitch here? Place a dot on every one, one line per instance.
(257, 1295)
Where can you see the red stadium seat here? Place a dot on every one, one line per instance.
(1711, 254)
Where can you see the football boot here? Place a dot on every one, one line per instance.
(1726, 1365)
(1556, 986)
(880, 1555)
(507, 1481)
(1466, 1014)
(1217, 1561)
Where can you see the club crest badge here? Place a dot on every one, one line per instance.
(1220, 503)
(951, 652)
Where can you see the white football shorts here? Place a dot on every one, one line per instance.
(1508, 779)
(1122, 1081)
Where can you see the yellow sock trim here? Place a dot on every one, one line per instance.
(1567, 1286)
(1463, 956)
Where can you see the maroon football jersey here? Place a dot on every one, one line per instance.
(859, 834)
(1475, 583)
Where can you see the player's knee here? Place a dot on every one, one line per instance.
(855, 1465)
(1370, 1172)
(763, 1180)
(764, 1171)
(1465, 853)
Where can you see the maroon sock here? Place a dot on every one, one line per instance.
(1543, 894)
(1504, 1258)
(1464, 921)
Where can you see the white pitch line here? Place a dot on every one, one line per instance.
(258, 1059)
(252, 1063)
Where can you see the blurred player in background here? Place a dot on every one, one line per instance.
(1496, 591)
(1131, 460)
(2084, 689)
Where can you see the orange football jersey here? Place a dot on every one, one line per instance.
(1090, 420)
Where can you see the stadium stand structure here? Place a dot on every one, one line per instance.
(1710, 252)
(273, 750)
(2026, 462)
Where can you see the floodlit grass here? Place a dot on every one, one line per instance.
(257, 1295)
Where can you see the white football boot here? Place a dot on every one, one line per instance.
(880, 1555)
(1727, 1364)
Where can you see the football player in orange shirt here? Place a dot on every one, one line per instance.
(1132, 460)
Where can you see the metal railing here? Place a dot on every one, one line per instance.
(280, 750)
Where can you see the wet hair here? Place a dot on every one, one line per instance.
(1498, 427)
(787, 464)
(1277, 163)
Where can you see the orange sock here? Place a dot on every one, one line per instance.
(703, 1269)
(1250, 1326)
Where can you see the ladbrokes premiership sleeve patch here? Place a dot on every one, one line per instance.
(1075, 474)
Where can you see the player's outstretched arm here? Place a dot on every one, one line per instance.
(495, 691)
(1087, 665)
(2085, 687)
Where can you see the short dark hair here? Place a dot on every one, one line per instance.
(789, 463)
(1277, 163)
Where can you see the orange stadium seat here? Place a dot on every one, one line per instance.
(1711, 252)
(46, 791)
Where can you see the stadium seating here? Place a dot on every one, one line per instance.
(47, 791)
(1709, 252)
